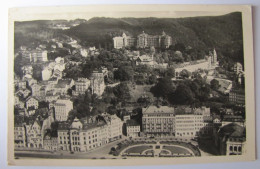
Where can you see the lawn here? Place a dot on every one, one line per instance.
(139, 90)
(176, 150)
(137, 149)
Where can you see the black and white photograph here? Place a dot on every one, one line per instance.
(131, 84)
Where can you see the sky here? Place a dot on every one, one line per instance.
(116, 12)
(141, 14)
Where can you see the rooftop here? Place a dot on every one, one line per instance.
(232, 130)
(155, 109)
(132, 123)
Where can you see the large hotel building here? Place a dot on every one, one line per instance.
(143, 40)
(158, 120)
(181, 122)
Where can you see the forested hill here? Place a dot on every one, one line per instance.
(222, 32)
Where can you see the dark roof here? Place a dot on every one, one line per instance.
(232, 130)
(31, 97)
(233, 118)
(63, 82)
(63, 126)
(132, 123)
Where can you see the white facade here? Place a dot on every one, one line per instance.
(115, 126)
(133, 130)
(62, 109)
(32, 102)
(46, 74)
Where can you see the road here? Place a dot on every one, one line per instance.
(101, 152)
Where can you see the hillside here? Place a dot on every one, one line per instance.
(221, 32)
(202, 33)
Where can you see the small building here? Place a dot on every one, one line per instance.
(237, 96)
(50, 142)
(62, 108)
(81, 85)
(35, 89)
(132, 128)
(32, 102)
(231, 139)
(19, 135)
(22, 84)
(34, 134)
(238, 68)
(227, 119)
(97, 82)
(46, 73)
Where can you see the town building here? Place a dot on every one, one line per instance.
(123, 41)
(238, 68)
(63, 136)
(50, 142)
(23, 92)
(158, 121)
(227, 119)
(63, 85)
(36, 89)
(39, 55)
(132, 128)
(115, 126)
(81, 85)
(50, 97)
(237, 96)
(19, 135)
(97, 82)
(192, 122)
(46, 73)
(21, 84)
(144, 40)
(62, 109)
(32, 102)
(214, 58)
(145, 60)
(83, 135)
(231, 139)
(34, 134)
(35, 56)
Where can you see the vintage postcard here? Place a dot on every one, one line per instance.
(104, 85)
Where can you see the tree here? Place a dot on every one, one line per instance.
(182, 95)
(152, 79)
(177, 57)
(170, 72)
(18, 63)
(214, 84)
(163, 88)
(122, 91)
(185, 74)
(37, 72)
(179, 47)
(124, 73)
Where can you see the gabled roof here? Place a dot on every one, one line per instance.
(31, 97)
